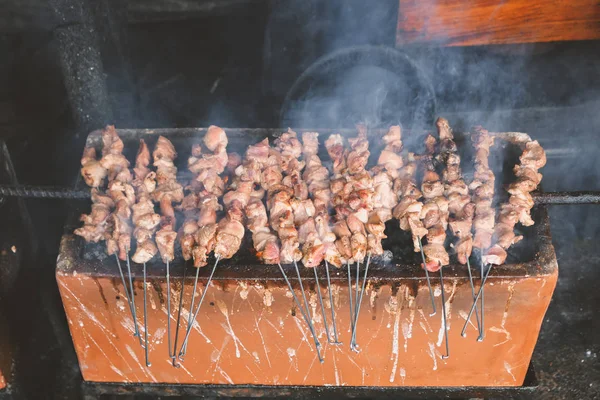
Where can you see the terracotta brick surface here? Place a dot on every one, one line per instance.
(251, 333)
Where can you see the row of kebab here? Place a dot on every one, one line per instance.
(299, 208)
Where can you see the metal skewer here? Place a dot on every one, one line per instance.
(335, 335)
(356, 301)
(350, 301)
(428, 280)
(171, 355)
(355, 309)
(462, 333)
(189, 328)
(182, 290)
(126, 289)
(146, 322)
(473, 294)
(318, 287)
(136, 330)
(306, 318)
(444, 314)
(482, 326)
(189, 321)
(353, 345)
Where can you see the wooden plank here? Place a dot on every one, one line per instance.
(483, 22)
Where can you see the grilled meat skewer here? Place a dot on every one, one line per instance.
(291, 215)
(167, 192)
(146, 221)
(317, 180)
(460, 207)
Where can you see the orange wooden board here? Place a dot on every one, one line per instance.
(483, 22)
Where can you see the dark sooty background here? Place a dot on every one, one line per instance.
(233, 66)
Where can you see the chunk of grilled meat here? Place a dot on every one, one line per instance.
(144, 252)
(92, 171)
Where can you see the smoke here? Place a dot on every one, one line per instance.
(549, 90)
(317, 58)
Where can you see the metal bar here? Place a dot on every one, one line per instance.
(555, 198)
(42, 192)
(51, 192)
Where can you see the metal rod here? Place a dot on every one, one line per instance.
(356, 301)
(298, 304)
(136, 330)
(189, 328)
(362, 291)
(335, 334)
(308, 315)
(148, 364)
(126, 289)
(482, 326)
(427, 277)
(317, 344)
(462, 333)
(318, 287)
(181, 292)
(43, 192)
(52, 192)
(189, 322)
(171, 356)
(558, 198)
(350, 300)
(473, 295)
(444, 314)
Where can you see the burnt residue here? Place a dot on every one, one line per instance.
(101, 290)
(376, 286)
(158, 289)
(221, 285)
(178, 283)
(413, 288)
(374, 306)
(116, 284)
(511, 292)
(395, 288)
